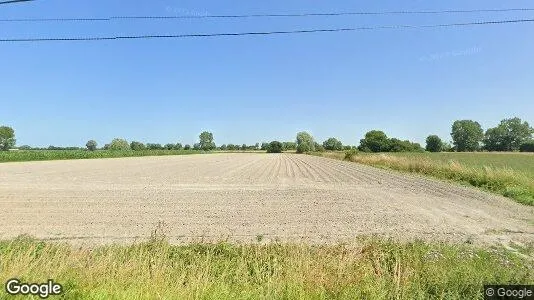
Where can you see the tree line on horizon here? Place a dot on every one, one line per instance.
(467, 136)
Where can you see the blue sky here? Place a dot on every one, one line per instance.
(409, 83)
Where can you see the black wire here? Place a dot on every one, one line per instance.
(203, 35)
(406, 12)
(14, 1)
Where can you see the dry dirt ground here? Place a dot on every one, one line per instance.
(246, 197)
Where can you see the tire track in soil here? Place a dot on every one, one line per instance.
(313, 169)
(351, 174)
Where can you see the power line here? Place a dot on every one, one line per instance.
(205, 35)
(14, 1)
(207, 16)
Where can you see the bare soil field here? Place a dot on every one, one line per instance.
(246, 197)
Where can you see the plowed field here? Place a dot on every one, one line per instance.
(246, 197)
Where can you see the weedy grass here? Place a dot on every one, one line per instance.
(510, 174)
(37, 155)
(367, 269)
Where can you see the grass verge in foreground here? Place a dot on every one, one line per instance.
(369, 269)
(480, 171)
(37, 155)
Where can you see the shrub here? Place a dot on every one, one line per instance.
(119, 145)
(434, 144)
(305, 142)
(275, 147)
(349, 154)
(91, 145)
(319, 147)
(375, 141)
(137, 146)
(333, 144)
(206, 141)
(7, 138)
(150, 146)
(527, 147)
(290, 146)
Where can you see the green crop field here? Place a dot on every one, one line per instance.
(36, 155)
(367, 269)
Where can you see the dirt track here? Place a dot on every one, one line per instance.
(244, 197)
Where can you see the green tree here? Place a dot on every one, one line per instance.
(509, 135)
(375, 141)
(91, 145)
(467, 135)
(305, 142)
(119, 145)
(178, 146)
(333, 144)
(289, 146)
(169, 146)
(7, 138)
(396, 145)
(137, 146)
(275, 147)
(152, 146)
(197, 146)
(187, 147)
(206, 141)
(527, 147)
(434, 144)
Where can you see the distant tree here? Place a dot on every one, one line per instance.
(396, 145)
(333, 144)
(187, 147)
(375, 141)
(257, 146)
(347, 147)
(289, 146)
(7, 138)
(305, 142)
(508, 135)
(527, 147)
(197, 146)
(151, 146)
(448, 147)
(319, 147)
(467, 135)
(119, 145)
(91, 145)
(224, 147)
(434, 144)
(106, 146)
(275, 147)
(25, 147)
(169, 146)
(244, 147)
(206, 141)
(264, 146)
(178, 146)
(137, 146)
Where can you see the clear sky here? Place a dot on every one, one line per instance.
(409, 83)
